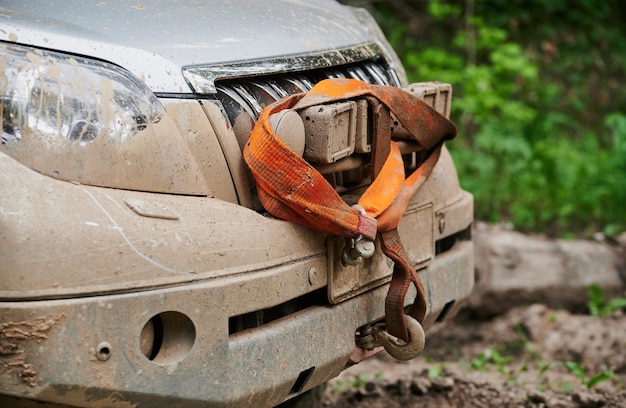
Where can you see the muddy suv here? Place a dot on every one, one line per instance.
(138, 266)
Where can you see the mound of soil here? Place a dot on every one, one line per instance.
(532, 356)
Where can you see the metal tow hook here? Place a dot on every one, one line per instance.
(357, 249)
(397, 348)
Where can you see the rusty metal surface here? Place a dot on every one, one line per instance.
(15, 338)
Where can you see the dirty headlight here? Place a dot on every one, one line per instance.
(87, 121)
(74, 98)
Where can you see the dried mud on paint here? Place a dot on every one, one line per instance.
(13, 339)
(528, 357)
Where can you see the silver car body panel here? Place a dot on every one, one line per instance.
(173, 34)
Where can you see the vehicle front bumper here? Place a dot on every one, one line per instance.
(81, 341)
(56, 343)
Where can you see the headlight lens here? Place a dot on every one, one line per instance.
(87, 121)
(80, 99)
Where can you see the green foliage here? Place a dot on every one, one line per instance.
(598, 378)
(435, 371)
(580, 373)
(535, 358)
(597, 304)
(542, 121)
(490, 357)
(509, 364)
(341, 386)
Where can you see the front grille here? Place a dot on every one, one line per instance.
(243, 99)
(251, 95)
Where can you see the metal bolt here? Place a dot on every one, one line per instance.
(365, 248)
(442, 223)
(357, 249)
(103, 351)
(347, 258)
(312, 274)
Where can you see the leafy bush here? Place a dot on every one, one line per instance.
(542, 123)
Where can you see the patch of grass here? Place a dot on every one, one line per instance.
(568, 387)
(573, 367)
(599, 306)
(490, 357)
(435, 371)
(580, 373)
(542, 366)
(341, 386)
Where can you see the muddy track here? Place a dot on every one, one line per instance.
(532, 356)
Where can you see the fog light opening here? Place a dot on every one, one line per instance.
(167, 337)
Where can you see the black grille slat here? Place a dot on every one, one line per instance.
(308, 84)
(336, 74)
(377, 73)
(264, 93)
(231, 100)
(294, 85)
(358, 73)
(249, 98)
(280, 90)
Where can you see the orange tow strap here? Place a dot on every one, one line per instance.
(291, 189)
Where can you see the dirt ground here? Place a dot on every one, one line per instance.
(527, 357)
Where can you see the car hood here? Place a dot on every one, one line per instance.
(154, 40)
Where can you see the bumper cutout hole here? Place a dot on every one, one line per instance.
(167, 337)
